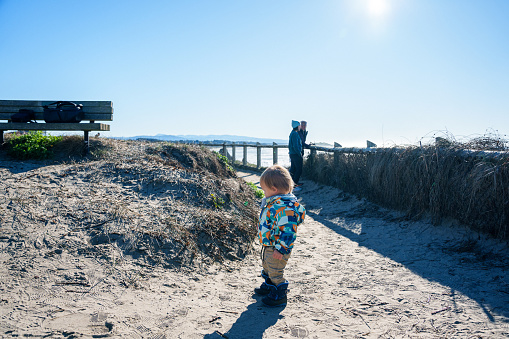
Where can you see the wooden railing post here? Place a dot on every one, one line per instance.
(274, 154)
(258, 156)
(336, 154)
(244, 159)
(336, 158)
(233, 152)
(311, 159)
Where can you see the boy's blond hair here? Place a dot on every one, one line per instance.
(278, 177)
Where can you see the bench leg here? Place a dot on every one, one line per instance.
(86, 142)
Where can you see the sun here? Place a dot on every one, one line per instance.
(378, 8)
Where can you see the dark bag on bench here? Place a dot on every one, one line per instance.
(24, 115)
(63, 111)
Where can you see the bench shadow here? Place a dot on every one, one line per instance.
(252, 323)
(19, 166)
(487, 290)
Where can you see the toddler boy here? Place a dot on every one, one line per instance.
(281, 214)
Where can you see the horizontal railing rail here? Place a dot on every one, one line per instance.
(258, 147)
(275, 147)
(336, 150)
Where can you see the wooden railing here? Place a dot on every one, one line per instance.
(258, 147)
(337, 150)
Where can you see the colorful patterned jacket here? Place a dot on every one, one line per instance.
(279, 218)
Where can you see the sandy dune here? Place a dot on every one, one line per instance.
(357, 271)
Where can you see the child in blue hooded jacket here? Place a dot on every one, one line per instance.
(280, 216)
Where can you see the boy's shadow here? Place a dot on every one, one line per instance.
(252, 323)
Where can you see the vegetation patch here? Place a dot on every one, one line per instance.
(257, 191)
(441, 180)
(224, 160)
(33, 145)
(39, 147)
(217, 201)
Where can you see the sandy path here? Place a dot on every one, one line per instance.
(357, 271)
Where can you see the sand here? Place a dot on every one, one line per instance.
(357, 271)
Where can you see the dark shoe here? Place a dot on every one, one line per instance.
(267, 301)
(264, 288)
(277, 295)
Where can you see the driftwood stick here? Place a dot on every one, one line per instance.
(431, 322)
(228, 312)
(443, 309)
(221, 334)
(73, 283)
(363, 320)
(214, 319)
(94, 226)
(355, 314)
(72, 291)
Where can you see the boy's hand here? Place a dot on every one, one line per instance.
(277, 255)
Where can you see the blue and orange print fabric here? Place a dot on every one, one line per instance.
(279, 219)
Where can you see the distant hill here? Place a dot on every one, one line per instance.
(234, 138)
(163, 137)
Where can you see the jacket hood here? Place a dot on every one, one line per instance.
(286, 198)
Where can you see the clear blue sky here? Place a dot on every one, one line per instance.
(392, 71)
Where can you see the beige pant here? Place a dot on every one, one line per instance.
(273, 268)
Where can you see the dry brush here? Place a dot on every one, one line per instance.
(441, 181)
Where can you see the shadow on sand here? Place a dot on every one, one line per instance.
(481, 277)
(252, 323)
(18, 166)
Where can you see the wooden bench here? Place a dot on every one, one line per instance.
(93, 111)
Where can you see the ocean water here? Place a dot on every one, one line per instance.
(283, 156)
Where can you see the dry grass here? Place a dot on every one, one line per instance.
(152, 201)
(440, 180)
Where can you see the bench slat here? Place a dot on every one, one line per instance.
(86, 116)
(40, 103)
(94, 110)
(54, 127)
(40, 109)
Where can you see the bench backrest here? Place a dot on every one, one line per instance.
(93, 110)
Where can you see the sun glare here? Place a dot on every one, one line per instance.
(378, 8)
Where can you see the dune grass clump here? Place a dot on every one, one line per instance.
(73, 147)
(444, 180)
